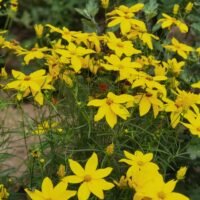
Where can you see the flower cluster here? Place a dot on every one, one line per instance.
(142, 176)
(147, 78)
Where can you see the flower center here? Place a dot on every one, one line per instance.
(140, 163)
(161, 195)
(120, 45)
(109, 101)
(87, 178)
(27, 78)
(148, 95)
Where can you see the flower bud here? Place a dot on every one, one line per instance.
(189, 7)
(105, 3)
(176, 9)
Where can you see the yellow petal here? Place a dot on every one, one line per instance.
(144, 106)
(111, 117)
(101, 173)
(115, 22)
(96, 102)
(47, 187)
(36, 195)
(137, 7)
(83, 192)
(18, 75)
(95, 188)
(175, 196)
(37, 73)
(120, 110)
(76, 168)
(76, 63)
(91, 164)
(105, 185)
(72, 179)
(169, 186)
(125, 26)
(100, 113)
(39, 98)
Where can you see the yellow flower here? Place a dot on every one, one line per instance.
(138, 161)
(147, 100)
(75, 54)
(174, 66)
(168, 21)
(105, 3)
(39, 28)
(182, 49)
(146, 81)
(121, 47)
(91, 179)
(32, 83)
(176, 9)
(33, 53)
(111, 107)
(142, 179)
(138, 29)
(181, 173)
(148, 60)
(61, 171)
(124, 66)
(123, 15)
(193, 125)
(91, 64)
(181, 105)
(65, 32)
(14, 5)
(189, 7)
(51, 193)
(159, 190)
(45, 126)
(3, 192)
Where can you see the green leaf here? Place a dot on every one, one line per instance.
(88, 26)
(194, 148)
(196, 27)
(26, 19)
(151, 9)
(92, 7)
(83, 12)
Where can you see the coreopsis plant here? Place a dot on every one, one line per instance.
(74, 54)
(168, 21)
(182, 50)
(91, 179)
(121, 47)
(48, 191)
(184, 102)
(33, 83)
(138, 161)
(124, 16)
(159, 190)
(111, 107)
(122, 64)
